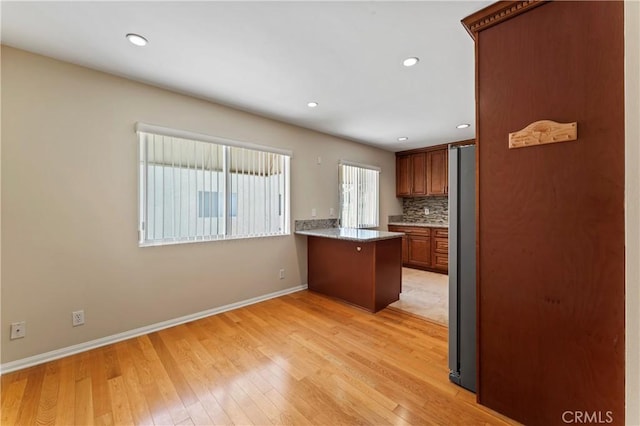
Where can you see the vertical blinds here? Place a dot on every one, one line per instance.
(358, 195)
(200, 190)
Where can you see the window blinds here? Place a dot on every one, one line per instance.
(358, 195)
(196, 187)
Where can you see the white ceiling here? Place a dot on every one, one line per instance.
(271, 58)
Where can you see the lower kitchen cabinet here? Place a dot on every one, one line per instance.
(364, 273)
(419, 247)
(424, 247)
(440, 249)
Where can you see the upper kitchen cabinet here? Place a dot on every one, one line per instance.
(403, 175)
(418, 174)
(411, 180)
(437, 177)
(422, 172)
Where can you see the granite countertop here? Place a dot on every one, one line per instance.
(422, 224)
(351, 234)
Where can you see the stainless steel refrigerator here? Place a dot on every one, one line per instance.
(462, 266)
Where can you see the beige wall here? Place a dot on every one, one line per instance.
(632, 162)
(69, 206)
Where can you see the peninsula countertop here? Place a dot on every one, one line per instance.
(351, 234)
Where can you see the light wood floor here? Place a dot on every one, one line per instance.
(299, 359)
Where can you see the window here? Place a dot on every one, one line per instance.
(196, 187)
(358, 195)
(212, 201)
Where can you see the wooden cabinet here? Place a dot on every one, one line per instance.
(405, 249)
(411, 179)
(440, 249)
(403, 175)
(437, 172)
(422, 173)
(424, 247)
(364, 273)
(418, 174)
(419, 247)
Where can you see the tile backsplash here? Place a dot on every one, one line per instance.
(413, 209)
(306, 225)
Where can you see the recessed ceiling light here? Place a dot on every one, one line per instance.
(403, 138)
(463, 126)
(136, 39)
(312, 104)
(409, 62)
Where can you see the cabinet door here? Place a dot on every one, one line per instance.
(440, 262)
(403, 175)
(418, 174)
(437, 173)
(440, 253)
(342, 269)
(419, 250)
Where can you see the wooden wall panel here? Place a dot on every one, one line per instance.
(338, 269)
(551, 217)
(388, 278)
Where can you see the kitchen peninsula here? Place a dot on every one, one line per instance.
(360, 266)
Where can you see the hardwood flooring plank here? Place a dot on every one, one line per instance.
(46, 414)
(119, 402)
(139, 410)
(153, 398)
(111, 362)
(97, 372)
(186, 422)
(171, 367)
(105, 420)
(82, 364)
(84, 414)
(251, 410)
(260, 400)
(198, 414)
(162, 382)
(12, 400)
(31, 396)
(66, 405)
(289, 415)
(215, 412)
(231, 407)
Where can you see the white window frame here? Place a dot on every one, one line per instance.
(145, 131)
(351, 215)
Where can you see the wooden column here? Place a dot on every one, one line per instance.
(551, 217)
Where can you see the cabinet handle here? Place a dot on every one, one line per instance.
(359, 248)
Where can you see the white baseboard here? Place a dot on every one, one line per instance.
(92, 344)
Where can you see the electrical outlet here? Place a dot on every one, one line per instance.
(426, 211)
(281, 275)
(314, 212)
(332, 212)
(77, 318)
(18, 330)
